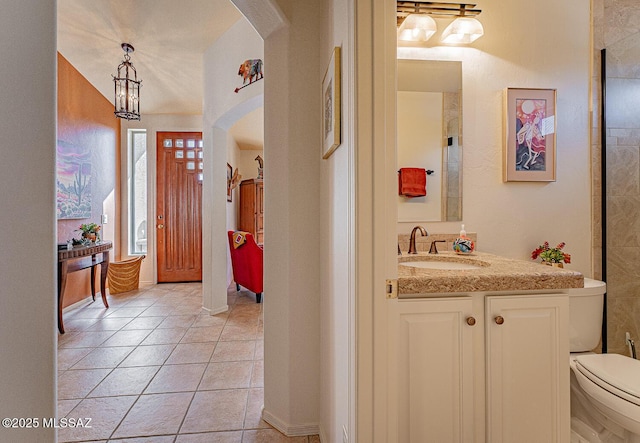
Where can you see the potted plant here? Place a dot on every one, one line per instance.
(90, 231)
(551, 256)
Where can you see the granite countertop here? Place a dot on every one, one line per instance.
(495, 274)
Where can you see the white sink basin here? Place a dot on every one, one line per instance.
(443, 265)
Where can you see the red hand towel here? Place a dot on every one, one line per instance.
(412, 182)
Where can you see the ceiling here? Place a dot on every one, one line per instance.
(169, 37)
(248, 132)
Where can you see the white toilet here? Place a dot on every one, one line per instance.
(605, 388)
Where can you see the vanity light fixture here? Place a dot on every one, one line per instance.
(127, 88)
(417, 28)
(415, 21)
(463, 30)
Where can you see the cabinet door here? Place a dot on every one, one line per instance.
(431, 370)
(260, 213)
(247, 216)
(528, 369)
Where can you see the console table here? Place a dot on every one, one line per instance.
(78, 258)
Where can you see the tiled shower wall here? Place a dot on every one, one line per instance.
(616, 24)
(452, 126)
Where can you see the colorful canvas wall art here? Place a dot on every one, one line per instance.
(73, 181)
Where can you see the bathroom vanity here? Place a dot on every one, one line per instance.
(479, 350)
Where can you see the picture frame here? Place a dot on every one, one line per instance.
(529, 135)
(229, 175)
(331, 98)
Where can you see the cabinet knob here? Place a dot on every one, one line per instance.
(160, 226)
(499, 320)
(471, 321)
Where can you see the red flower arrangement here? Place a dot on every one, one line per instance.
(551, 255)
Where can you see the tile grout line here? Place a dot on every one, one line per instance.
(235, 317)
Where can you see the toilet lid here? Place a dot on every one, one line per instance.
(616, 373)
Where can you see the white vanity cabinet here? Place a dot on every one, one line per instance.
(527, 363)
(431, 369)
(479, 368)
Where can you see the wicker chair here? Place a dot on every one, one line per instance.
(124, 276)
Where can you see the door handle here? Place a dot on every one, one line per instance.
(160, 226)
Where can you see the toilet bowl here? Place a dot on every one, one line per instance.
(605, 388)
(611, 383)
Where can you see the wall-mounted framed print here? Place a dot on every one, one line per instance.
(331, 91)
(74, 197)
(229, 177)
(529, 135)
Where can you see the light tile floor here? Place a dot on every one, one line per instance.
(156, 368)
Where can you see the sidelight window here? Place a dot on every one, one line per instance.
(137, 187)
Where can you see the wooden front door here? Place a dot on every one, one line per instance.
(178, 207)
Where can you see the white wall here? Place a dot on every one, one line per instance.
(153, 123)
(511, 219)
(292, 213)
(337, 240)
(28, 260)
(222, 108)
(247, 164)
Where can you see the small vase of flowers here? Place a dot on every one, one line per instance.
(551, 256)
(90, 232)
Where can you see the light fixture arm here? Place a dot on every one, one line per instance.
(436, 9)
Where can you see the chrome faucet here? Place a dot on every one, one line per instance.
(412, 240)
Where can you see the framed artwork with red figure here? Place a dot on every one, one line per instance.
(530, 135)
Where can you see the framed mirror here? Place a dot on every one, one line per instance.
(429, 136)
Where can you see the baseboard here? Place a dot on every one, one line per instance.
(84, 301)
(288, 429)
(322, 435)
(225, 308)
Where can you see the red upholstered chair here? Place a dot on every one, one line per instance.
(246, 261)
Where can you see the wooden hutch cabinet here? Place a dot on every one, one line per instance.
(252, 208)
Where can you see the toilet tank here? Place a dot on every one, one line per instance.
(585, 315)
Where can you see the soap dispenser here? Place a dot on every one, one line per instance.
(463, 244)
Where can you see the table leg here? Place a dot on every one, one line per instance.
(62, 282)
(93, 282)
(104, 267)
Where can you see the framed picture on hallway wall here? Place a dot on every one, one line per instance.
(529, 135)
(229, 177)
(331, 91)
(73, 177)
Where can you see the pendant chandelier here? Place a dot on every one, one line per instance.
(127, 88)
